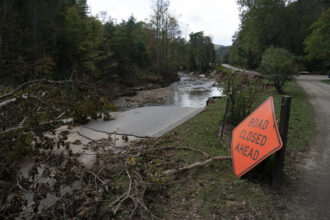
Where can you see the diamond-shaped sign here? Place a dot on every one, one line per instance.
(255, 138)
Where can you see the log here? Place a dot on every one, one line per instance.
(198, 164)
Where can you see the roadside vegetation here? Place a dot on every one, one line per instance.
(300, 26)
(154, 177)
(279, 66)
(213, 191)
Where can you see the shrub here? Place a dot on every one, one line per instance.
(279, 66)
(241, 92)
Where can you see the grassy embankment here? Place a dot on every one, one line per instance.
(214, 191)
(327, 81)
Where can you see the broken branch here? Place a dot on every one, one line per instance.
(198, 164)
(32, 82)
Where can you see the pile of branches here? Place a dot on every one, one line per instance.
(37, 106)
(122, 186)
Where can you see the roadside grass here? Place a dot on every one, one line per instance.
(213, 191)
(327, 81)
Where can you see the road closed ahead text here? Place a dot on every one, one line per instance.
(255, 138)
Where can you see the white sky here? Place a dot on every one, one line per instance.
(217, 18)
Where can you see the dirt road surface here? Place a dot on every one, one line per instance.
(241, 70)
(312, 192)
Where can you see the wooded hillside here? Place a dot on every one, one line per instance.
(281, 24)
(59, 39)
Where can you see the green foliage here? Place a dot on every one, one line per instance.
(59, 40)
(241, 93)
(39, 107)
(201, 51)
(279, 66)
(277, 23)
(318, 42)
(14, 148)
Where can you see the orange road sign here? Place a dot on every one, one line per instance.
(255, 138)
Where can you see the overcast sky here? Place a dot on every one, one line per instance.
(217, 18)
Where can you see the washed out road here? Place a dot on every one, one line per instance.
(152, 121)
(312, 196)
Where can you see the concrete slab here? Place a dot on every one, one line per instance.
(146, 121)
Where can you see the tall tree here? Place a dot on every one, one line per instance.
(277, 23)
(202, 51)
(318, 42)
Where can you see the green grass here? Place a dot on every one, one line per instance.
(302, 129)
(214, 191)
(327, 81)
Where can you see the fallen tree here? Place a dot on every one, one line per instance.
(40, 105)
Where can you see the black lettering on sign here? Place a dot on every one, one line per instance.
(242, 134)
(256, 155)
(260, 124)
(253, 137)
(251, 122)
(265, 125)
(250, 153)
(255, 123)
(236, 148)
(247, 151)
(263, 141)
(259, 138)
(249, 136)
(241, 149)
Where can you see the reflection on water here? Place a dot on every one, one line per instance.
(192, 91)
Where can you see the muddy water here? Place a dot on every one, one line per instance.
(192, 91)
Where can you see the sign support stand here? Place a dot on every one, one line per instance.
(283, 129)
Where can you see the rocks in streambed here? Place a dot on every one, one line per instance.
(145, 96)
(212, 100)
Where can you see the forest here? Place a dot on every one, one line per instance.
(301, 27)
(60, 39)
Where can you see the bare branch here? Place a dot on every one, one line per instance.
(181, 148)
(19, 126)
(198, 164)
(126, 195)
(32, 82)
(7, 102)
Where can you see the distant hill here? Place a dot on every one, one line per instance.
(223, 53)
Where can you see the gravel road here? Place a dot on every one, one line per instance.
(241, 70)
(312, 200)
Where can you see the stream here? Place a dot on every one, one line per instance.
(192, 91)
(189, 91)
